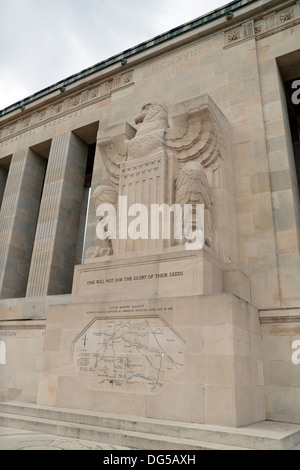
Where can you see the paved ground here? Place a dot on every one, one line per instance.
(19, 439)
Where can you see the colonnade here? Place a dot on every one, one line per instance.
(40, 217)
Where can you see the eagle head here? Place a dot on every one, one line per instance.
(152, 113)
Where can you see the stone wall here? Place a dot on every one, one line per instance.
(240, 65)
(20, 376)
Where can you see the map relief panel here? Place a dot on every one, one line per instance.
(138, 355)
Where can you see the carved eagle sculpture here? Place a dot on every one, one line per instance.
(102, 195)
(195, 136)
(192, 188)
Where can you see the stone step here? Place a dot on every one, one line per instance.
(129, 439)
(145, 433)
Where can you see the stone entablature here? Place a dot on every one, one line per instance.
(56, 113)
(265, 26)
(60, 109)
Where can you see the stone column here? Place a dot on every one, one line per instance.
(54, 251)
(18, 219)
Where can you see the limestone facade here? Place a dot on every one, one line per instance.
(233, 308)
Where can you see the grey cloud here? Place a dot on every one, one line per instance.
(42, 41)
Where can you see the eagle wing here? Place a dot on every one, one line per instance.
(104, 195)
(192, 187)
(112, 144)
(198, 137)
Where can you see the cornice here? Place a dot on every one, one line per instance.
(214, 20)
(280, 315)
(273, 22)
(100, 81)
(59, 108)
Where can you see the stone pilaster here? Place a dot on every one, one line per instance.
(54, 252)
(18, 218)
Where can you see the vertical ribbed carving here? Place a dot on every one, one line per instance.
(9, 206)
(143, 182)
(54, 252)
(18, 221)
(49, 210)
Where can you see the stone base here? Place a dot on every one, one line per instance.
(195, 359)
(175, 272)
(281, 334)
(137, 433)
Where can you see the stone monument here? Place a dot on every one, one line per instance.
(150, 330)
(149, 233)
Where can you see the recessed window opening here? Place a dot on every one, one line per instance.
(4, 169)
(38, 169)
(86, 197)
(87, 134)
(289, 66)
(293, 96)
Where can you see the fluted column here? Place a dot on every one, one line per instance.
(18, 218)
(54, 251)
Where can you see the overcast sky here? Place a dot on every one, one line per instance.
(45, 41)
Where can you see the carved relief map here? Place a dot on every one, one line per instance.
(127, 354)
